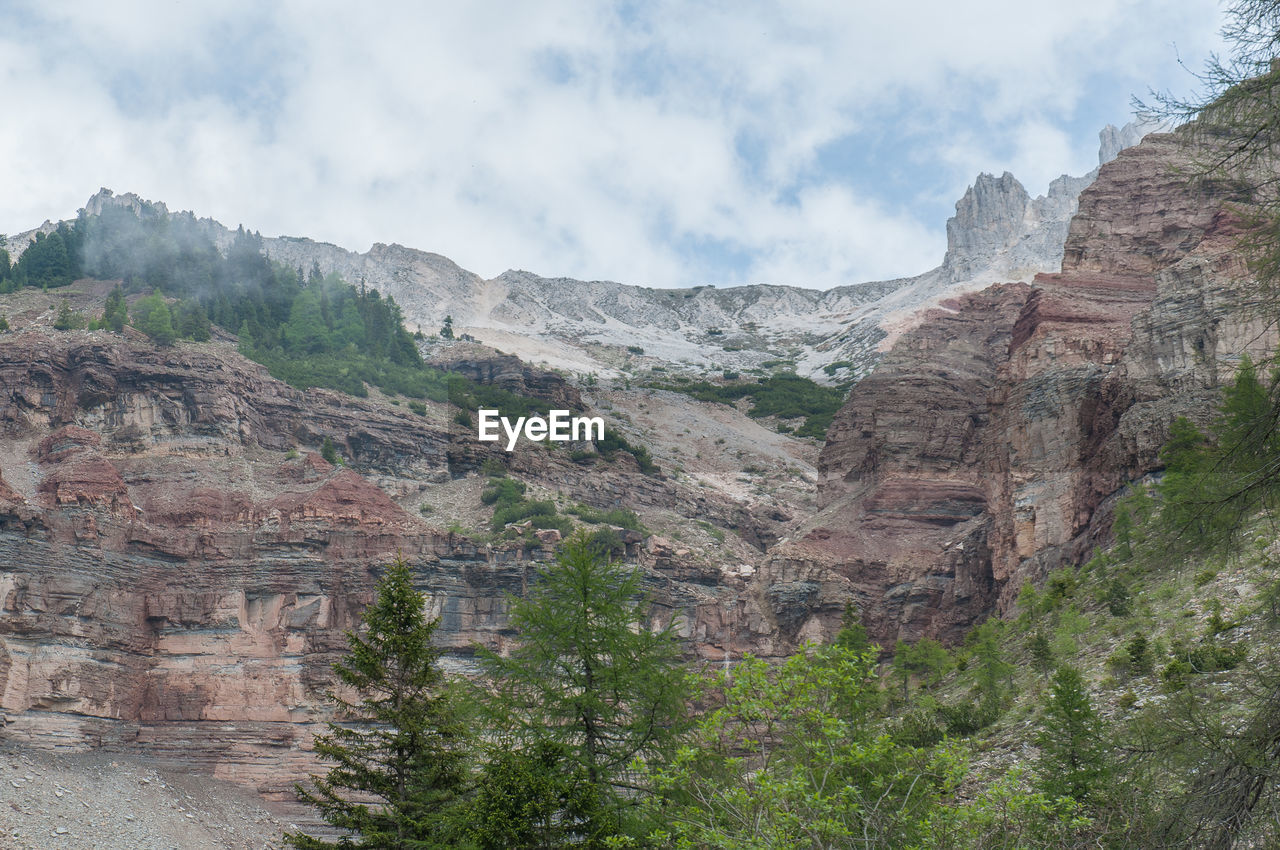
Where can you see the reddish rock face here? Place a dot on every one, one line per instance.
(987, 446)
(172, 582)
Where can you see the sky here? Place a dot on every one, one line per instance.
(654, 143)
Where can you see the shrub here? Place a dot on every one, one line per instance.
(502, 491)
(965, 718)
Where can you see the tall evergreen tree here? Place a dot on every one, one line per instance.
(398, 748)
(1073, 751)
(589, 688)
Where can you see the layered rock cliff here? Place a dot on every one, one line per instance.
(178, 567)
(990, 442)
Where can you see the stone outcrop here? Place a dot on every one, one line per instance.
(989, 444)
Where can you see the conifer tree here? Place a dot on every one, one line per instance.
(329, 452)
(151, 315)
(589, 689)
(114, 314)
(398, 747)
(1073, 752)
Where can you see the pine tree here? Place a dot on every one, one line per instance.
(852, 635)
(991, 672)
(329, 453)
(590, 682)
(446, 330)
(114, 313)
(398, 749)
(1073, 753)
(68, 319)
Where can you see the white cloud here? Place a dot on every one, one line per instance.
(567, 138)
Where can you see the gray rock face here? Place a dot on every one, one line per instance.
(989, 220)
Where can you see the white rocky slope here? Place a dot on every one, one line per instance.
(999, 233)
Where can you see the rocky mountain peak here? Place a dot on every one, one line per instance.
(989, 219)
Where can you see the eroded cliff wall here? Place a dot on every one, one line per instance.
(988, 445)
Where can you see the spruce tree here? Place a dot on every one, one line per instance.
(397, 747)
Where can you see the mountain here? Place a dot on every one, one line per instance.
(178, 564)
(990, 443)
(999, 233)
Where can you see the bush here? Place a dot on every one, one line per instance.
(606, 542)
(1138, 650)
(502, 491)
(620, 517)
(151, 316)
(965, 718)
(493, 467)
(918, 728)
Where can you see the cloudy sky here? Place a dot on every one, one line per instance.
(656, 143)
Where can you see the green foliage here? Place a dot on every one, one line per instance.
(1139, 655)
(191, 322)
(1041, 652)
(530, 798)
(49, 260)
(926, 660)
(589, 678)
(68, 319)
(1060, 586)
(1117, 597)
(784, 395)
(991, 672)
(151, 316)
(502, 492)
(621, 517)
(507, 496)
(398, 748)
(853, 634)
(4, 324)
(446, 330)
(1213, 480)
(615, 442)
(115, 314)
(1073, 753)
(606, 542)
(791, 758)
(329, 452)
